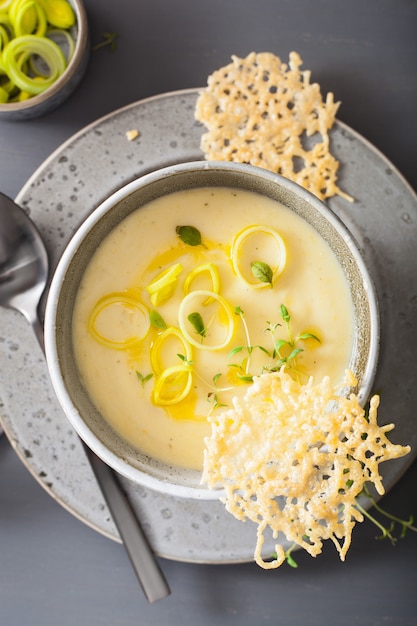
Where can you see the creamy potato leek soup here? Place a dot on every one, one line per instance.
(193, 295)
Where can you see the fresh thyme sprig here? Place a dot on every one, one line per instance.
(109, 39)
(143, 379)
(249, 348)
(287, 350)
(214, 400)
(212, 386)
(386, 532)
(289, 558)
(284, 351)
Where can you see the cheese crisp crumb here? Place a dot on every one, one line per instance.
(261, 111)
(294, 458)
(132, 134)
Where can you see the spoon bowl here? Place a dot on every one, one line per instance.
(23, 264)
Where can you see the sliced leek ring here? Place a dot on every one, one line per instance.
(236, 251)
(198, 297)
(6, 30)
(18, 51)
(163, 286)
(157, 346)
(59, 13)
(28, 18)
(173, 385)
(127, 301)
(213, 273)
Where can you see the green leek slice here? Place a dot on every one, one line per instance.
(28, 18)
(33, 56)
(6, 31)
(5, 4)
(64, 40)
(59, 13)
(17, 53)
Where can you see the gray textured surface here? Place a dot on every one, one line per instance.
(54, 569)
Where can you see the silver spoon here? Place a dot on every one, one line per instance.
(23, 278)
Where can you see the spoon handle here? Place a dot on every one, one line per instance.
(144, 563)
(141, 555)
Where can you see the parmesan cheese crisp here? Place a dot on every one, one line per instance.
(261, 111)
(294, 458)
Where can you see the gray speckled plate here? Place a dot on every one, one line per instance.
(79, 176)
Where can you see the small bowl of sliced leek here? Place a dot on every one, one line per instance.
(43, 55)
(180, 290)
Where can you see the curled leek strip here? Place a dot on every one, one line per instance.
(163, 286)
(207, 268)
(18, 51)
(173, 385)
(4, 96)
(59, 13)
(161, 341)
(28, 18)
(128, 302)
(4, 37)
(6, 31)
(5, 83)
(64, 40)
(66, 44)
(237, 249)
(196, 299)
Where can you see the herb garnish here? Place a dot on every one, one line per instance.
(156, 320)
(197, 323)
(143, 379)
(109, 39)
(189, 235)
(262, 272)
(213, 399)
(286, 349)
(387, 532)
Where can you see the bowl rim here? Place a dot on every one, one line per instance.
(81, 43)
(51, 348)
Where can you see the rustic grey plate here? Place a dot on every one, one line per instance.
(79, 176)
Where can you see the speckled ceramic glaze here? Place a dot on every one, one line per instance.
(80, 410)
(66, 84)
(78, 177)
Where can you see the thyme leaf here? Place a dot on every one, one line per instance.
(216, 377)
(143, 379)
(157, 320)
(262, 272)
(189, 235)
(109, 39)
(215, 404)
(197, 323)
